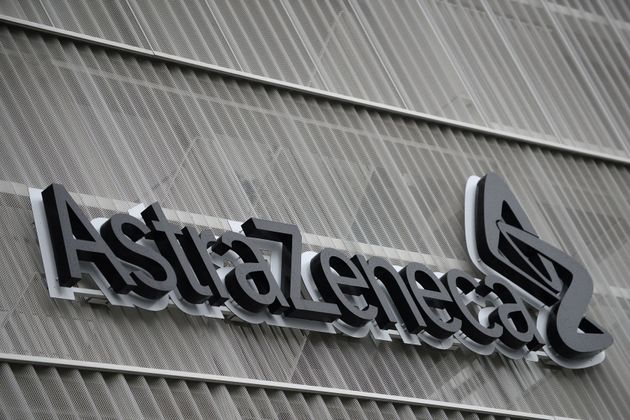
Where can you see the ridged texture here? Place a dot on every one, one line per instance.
(38, 393)
(551, 69)
(112, 125)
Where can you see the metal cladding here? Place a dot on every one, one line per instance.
(545, 84)
(551, 69)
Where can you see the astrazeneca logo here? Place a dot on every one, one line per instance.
(530, 304)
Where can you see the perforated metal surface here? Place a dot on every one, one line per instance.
(48, 392)
(112, 125)
(555, 70)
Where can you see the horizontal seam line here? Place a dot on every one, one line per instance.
(328, 95)
(258, 383)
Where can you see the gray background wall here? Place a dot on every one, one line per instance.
(120, 127)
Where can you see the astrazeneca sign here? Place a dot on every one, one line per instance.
(531, 301)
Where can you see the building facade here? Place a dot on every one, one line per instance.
(359, 122)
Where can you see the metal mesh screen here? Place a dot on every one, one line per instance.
(555, 70)
(113, 125)
(29, 392)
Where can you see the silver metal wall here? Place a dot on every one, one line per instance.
(552, 69)
(119, 127)
(112, 125)
(28, 392)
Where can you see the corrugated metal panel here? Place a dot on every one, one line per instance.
(554, 70)
(557, 59)
(113, 125)
(111, 19)
(187, 29)
(414, 54)
(600, 54)
(30, 392)
(32, 11)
